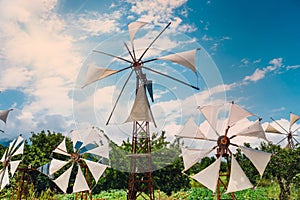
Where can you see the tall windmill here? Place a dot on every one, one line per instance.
(235, 178)
(140, 180)
(289, 134)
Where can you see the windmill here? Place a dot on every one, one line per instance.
(290, 133)
(84, 147)
(235, 178)
(140, 180)
(11, 160)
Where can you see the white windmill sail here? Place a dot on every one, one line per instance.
(63, 180)
(254, 130)
(210, 112)
(210, 175)
(4, 156)
(20, 139)
(293, 119)
(11, 146)
(102, 151)
(133, 27)
(4, 115)
(271, 129)
(192, 156)
(80, 183)
(19, 150)
(96, 169)
(186, 58)
(96, 73)
(260, 159)
(191, 130)
(238, 179)
(5, 178)
(56, 165)
(13, 166)
(236, 114)
(61, 148)
(140, 110)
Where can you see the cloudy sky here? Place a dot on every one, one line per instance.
(249, 54)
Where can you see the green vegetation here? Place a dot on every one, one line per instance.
(280, 181)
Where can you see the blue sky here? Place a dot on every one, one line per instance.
(252, 48)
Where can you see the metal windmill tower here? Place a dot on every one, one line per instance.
(234, 179)
(290, 133)
(140, 178)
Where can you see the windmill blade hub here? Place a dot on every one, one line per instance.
(75, 157)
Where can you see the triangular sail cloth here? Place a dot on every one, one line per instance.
(186, 58)
(95, 73)
(80, 183)
(254, 130)
(191, 130)
(238, 179)
(260, 159)
(209, 176)
(4, 115)
(271, 129)
(102, 151)
(96, 169)
(210, 112)
(13, 166)
(236, 114)
(192, 156)
(4, 178)
(140, 110)
(56, 165)
(133, 27)
(63, 180)
(293, 119)
(61, 148)
(19, 150)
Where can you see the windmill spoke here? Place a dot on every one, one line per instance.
(175, 79)
(280, 126)
(149, 60)
(153, 41)
(132, 56)
(295, 140)
(120, 58)
(119, 97)
(281, 140)
(296, 129)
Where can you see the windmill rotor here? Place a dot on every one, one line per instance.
(78, 159)
(236, 178)
(137, 64)
(288, 133)
(11, 160)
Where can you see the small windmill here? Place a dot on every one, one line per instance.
(78, 160)
(235, 178)
(290, 133)
(11, 160)
(140, 179)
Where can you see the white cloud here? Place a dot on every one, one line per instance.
(260, 73)
(276, 62)
(293, 67)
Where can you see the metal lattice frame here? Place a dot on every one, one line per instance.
(140, 177)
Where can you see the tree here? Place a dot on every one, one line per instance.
(37, 152)
(284, 167)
